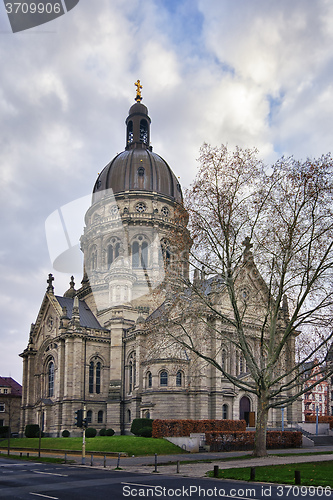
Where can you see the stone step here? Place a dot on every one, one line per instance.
(322, 440)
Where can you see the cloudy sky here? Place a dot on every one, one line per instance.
(246, 72)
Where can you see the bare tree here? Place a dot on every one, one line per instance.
(262, 240)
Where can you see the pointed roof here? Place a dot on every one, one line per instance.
(16, 388)
(87, 318)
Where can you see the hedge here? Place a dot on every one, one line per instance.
(220, 441)
(4, 431)
(31, 430)
(140, 423)
(179, 428)
(146, 432)
(91, 432)
(324, 419)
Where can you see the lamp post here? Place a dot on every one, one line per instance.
(317, 412)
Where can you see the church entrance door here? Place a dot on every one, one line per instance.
(244, 409)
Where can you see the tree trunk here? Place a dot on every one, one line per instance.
(261, 427)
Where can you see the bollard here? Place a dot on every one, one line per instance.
(91, 460)
(178, 463)
(65, 458)
(216, 471)
(297, 477)
(104, 460)
(21, 454)
(118, 461)
(27, 455)
(252, 474)
(155, 462)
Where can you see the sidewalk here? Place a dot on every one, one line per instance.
(147, 465)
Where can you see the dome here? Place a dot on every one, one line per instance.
(138, 168)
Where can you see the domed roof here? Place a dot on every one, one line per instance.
(138, 168)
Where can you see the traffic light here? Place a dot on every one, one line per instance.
(85, 423)
(79, 418)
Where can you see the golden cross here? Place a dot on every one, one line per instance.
(138, 97)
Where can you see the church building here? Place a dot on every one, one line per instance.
(91, 348)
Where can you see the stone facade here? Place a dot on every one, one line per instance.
(91, 348)
(10, 403)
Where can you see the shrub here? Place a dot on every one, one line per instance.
(31, 430)
(4, 431)
(140, 423)
(109, 432)
(91, 432)
(65, 433)
(102, 432)
(146, 432)
(219, 441)
(327, 419)
(179, 428)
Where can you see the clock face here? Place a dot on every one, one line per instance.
(50, 323)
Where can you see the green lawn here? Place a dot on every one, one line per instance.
(312, 473)
(131, 445)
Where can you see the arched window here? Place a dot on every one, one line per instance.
(93, 259)
(225, 412)
(50, 379)
(89, 416)
(166, 253)
(224, 360)
(135, 254)
(130, 132)
(149, 379)
(129, 416)
(100, 417)
(140, 252)
(163, 378)
(147, 414)
(98, 378)
(144, 255)
(95, 371)
(241, 364)
(179, 379)
(132, 372)
(144, 131)
(113, 251)
(91, 377)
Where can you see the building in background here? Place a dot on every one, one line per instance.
(10, 403)
(319, 395)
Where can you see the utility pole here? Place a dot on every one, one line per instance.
(84, 434)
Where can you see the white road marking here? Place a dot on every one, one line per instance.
(144, 485)
(44, 496)
(49, 473)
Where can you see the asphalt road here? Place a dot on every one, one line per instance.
(28, 481)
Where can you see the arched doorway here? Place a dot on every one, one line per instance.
(244, 409)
